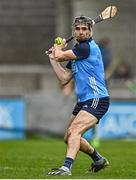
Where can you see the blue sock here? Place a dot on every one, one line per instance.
(95, 156)
(68, 162)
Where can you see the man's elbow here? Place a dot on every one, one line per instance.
(59, 59)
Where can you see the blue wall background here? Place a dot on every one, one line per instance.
(12, 118)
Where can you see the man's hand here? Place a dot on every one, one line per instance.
(60, 55)
(58, 50)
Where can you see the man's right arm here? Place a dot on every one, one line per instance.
(63, 75)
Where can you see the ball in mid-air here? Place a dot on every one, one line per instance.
(58, 41)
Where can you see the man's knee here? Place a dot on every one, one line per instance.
(73, 131)
(67, 134)
(66, 138)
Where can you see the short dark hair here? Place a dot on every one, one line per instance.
(82, 20)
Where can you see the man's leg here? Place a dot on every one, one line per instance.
(84, 145)
(77, 126)
(80, 124)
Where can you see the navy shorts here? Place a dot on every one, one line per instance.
(97, 107)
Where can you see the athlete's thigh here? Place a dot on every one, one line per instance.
(83, 121)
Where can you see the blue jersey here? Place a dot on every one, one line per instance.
(88, 74)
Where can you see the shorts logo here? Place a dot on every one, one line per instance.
(85, 106)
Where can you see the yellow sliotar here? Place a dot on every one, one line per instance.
(58, 40)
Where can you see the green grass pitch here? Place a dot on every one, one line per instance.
(31, 159)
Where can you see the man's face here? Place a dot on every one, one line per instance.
(82, 32)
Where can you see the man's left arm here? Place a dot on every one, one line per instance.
(80, 51)
(62, 56)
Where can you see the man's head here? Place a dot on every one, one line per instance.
(82, 28)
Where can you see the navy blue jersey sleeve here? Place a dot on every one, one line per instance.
(68, 65)
(82, 50)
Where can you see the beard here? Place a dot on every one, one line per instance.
(82, 38)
